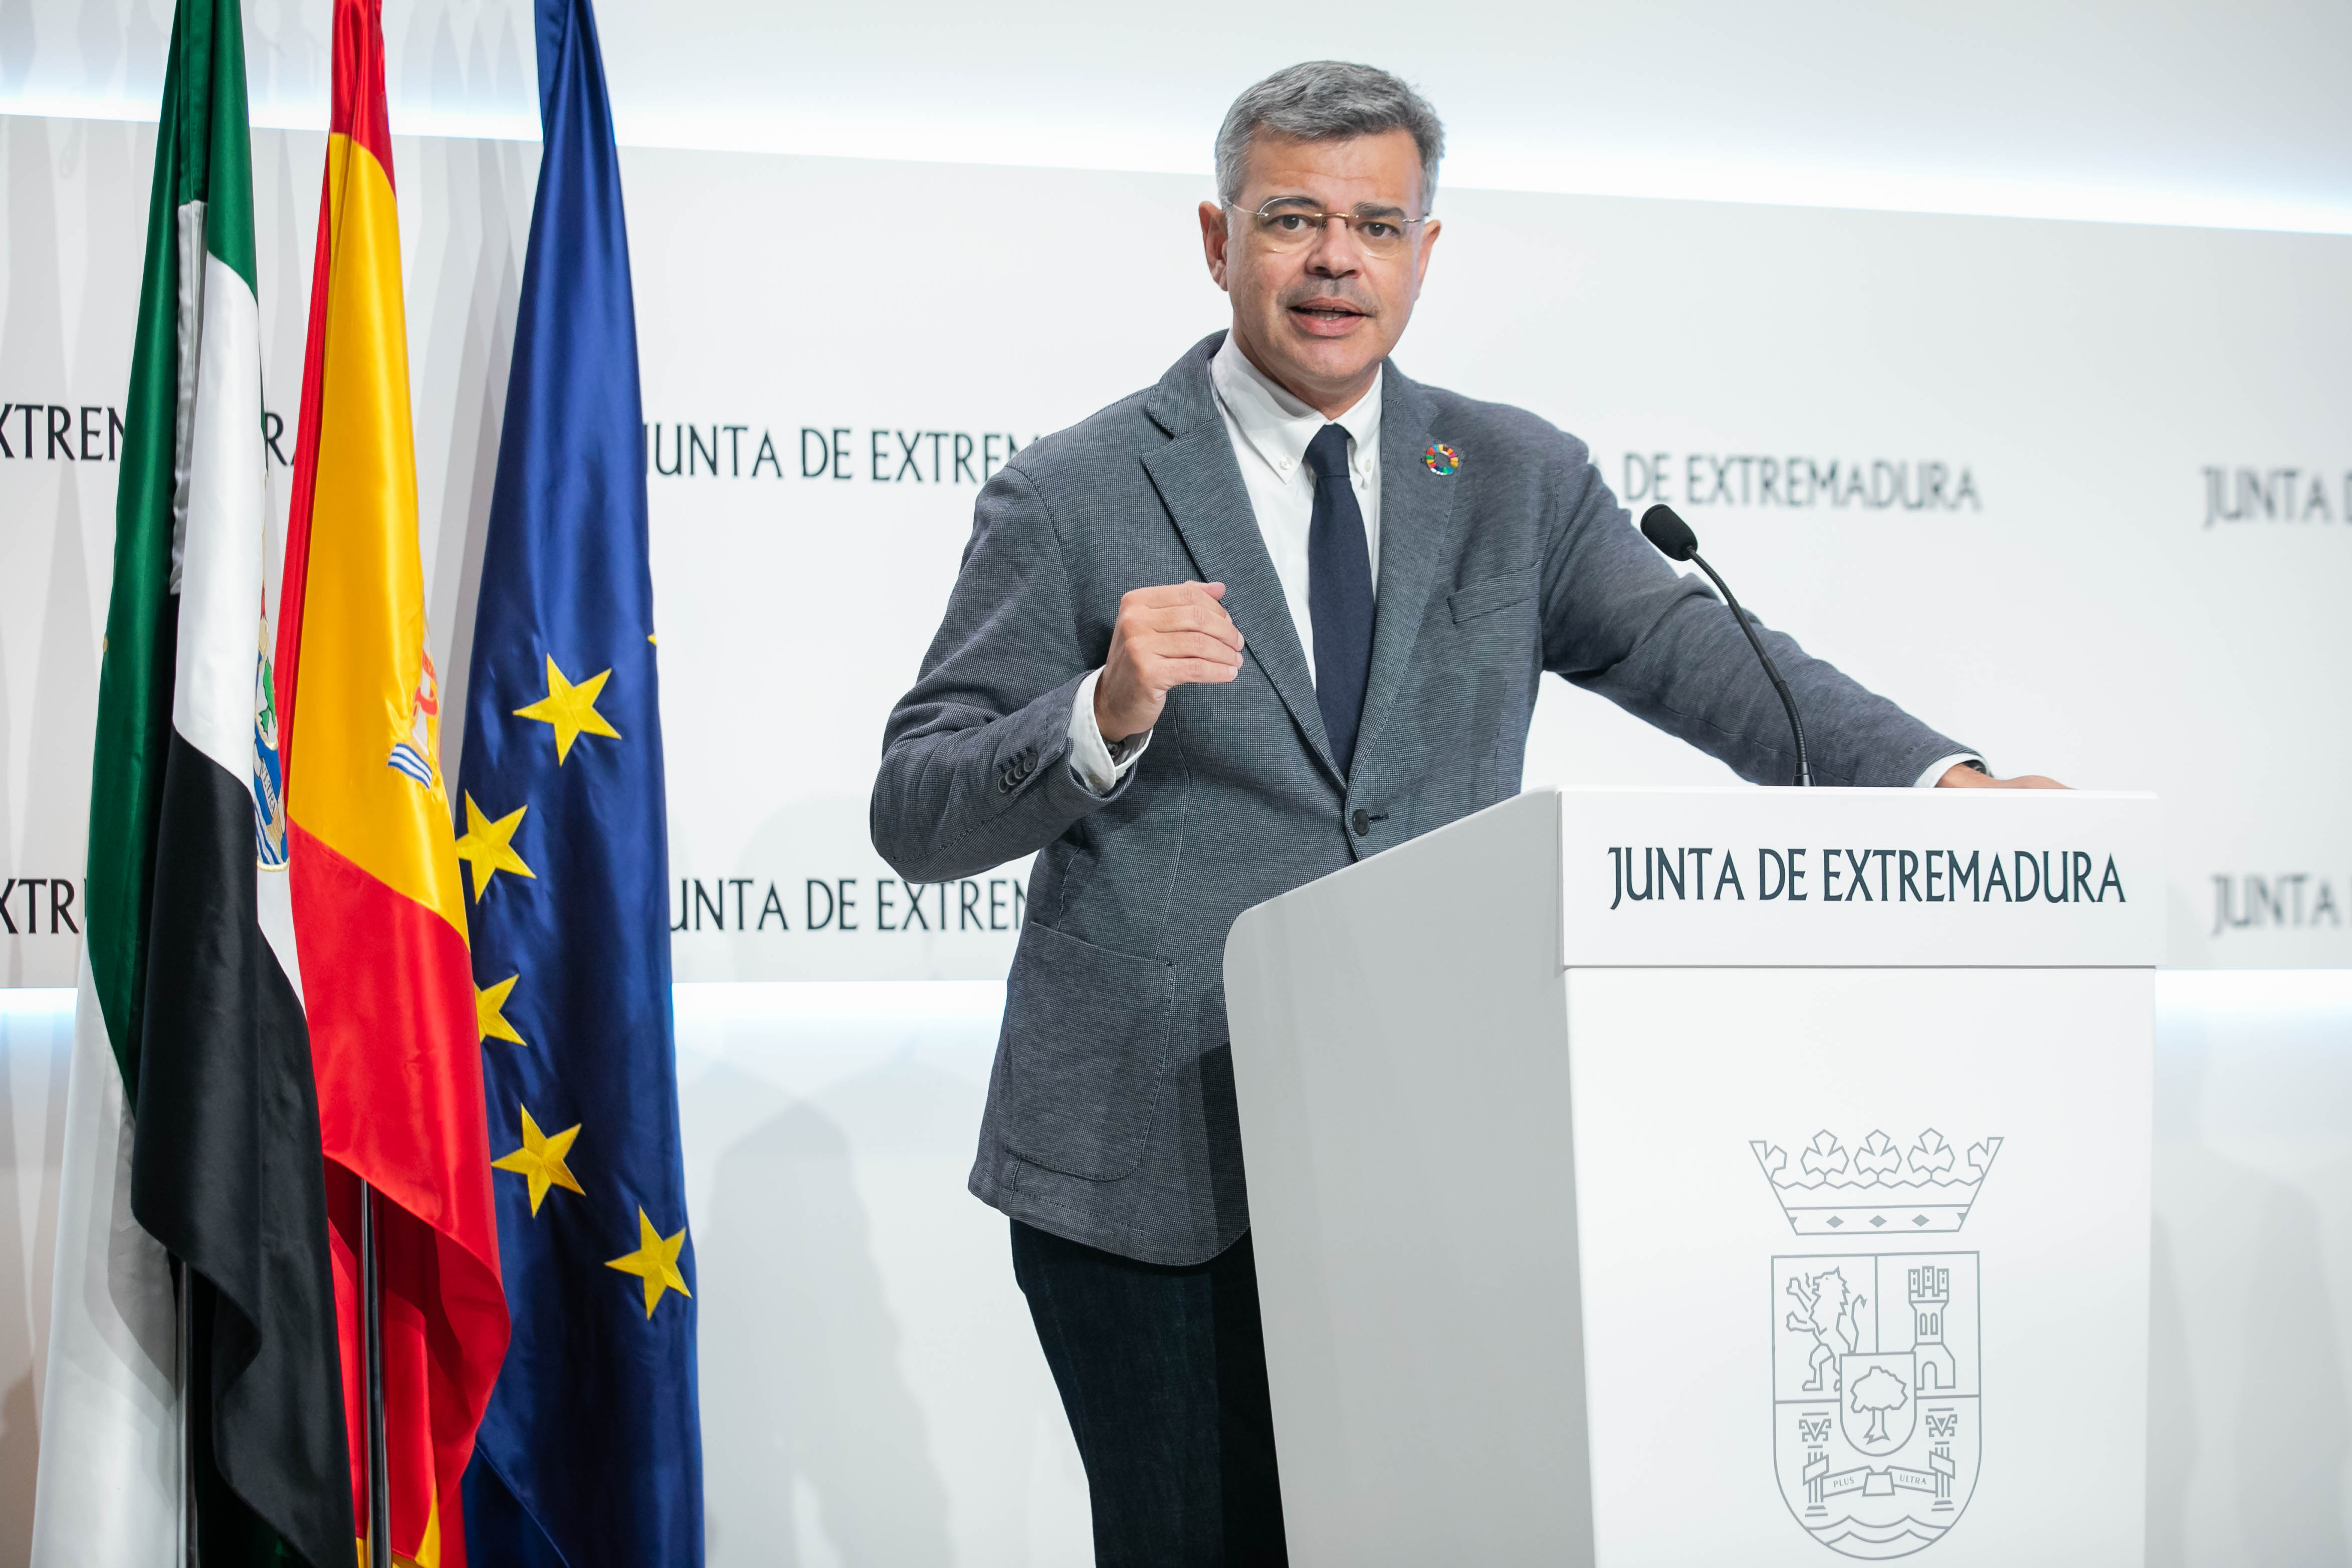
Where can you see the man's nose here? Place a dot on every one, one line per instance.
(1335, 253)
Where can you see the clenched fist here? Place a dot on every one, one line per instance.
(1164, 637)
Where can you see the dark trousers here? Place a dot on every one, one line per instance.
(1162, 1373)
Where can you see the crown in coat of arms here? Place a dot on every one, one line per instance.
(1827, 1189)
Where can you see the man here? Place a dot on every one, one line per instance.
(1282, 611)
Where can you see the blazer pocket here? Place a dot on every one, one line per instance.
(1490, 594)
(1086, 1050)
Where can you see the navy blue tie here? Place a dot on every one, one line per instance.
(1339, 594)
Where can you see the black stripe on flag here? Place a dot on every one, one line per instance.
(226, 1171)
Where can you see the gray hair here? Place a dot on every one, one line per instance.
(1328, 100)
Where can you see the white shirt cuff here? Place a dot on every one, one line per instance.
(1937, 770)
(1090, 758)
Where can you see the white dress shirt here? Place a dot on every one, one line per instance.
(1270, 430)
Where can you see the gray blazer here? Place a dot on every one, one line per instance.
(1110, 1113)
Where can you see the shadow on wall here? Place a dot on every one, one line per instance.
(2293, 1429)
(469, 346)
(2250, 1418)
(799, 1345)
(2171, 1407)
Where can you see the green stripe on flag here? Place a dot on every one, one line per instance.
(227, 194)
(134, 684)
(203, 153)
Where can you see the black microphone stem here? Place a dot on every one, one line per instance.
(1796, 726)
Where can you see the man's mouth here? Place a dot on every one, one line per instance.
(1327, 315)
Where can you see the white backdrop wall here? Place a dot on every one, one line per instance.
(2206, 111)
(2076, 492)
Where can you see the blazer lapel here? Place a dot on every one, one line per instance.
(1200, 485)
(1416, 513)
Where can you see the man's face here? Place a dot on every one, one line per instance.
(1320, 316)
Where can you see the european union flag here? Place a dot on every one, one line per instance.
(591, 1448)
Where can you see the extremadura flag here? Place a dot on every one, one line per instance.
(379, 914)
(203, 1114)
(591, 1448)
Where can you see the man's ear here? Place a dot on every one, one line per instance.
(1421, 263)
(1214, 237)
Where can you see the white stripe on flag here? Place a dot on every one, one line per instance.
(213, 687)
(108, 1494)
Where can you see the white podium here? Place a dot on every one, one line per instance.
(1734, 1176)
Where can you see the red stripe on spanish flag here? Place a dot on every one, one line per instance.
(379, 916)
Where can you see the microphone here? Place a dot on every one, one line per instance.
(1675, 541)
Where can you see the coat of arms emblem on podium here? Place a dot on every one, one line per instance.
(1876, 1429)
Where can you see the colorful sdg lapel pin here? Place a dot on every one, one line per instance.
(1441, 459)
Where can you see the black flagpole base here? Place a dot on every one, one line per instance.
(183, 1283)
(379, 1519)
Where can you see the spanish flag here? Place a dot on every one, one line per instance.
(379, 913)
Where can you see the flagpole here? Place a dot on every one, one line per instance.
(379, 1522)
(190, 1554)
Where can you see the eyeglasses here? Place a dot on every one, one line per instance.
(1290, 222)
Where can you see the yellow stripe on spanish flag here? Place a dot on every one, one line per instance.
(379, 912)
(368, 684)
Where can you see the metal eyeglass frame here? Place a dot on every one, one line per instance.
(1320, 218)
